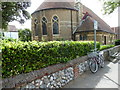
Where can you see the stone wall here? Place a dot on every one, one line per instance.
(55, 80)
(107, 53)
(55, 76)
(59, 78)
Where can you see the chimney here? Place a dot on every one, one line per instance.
(79, 7)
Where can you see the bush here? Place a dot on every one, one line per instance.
(102, 47)
(60, 39)
(25, 35)
(9, 40)
(22, 57)
(117, 42)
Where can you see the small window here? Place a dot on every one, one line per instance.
(81, 37)
(36, 27)
(44, 26)
(55, 25)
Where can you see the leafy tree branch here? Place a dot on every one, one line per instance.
(14, 11)
(110, 5)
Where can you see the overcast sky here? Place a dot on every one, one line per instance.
(94, 5)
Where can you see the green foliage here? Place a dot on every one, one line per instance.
(110, 5)
(60, 39)
(9, 40)
(22, 57)
(25, 35)
(117, 42)
(14, 11)
(103, 47)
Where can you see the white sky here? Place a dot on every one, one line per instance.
(94, 5)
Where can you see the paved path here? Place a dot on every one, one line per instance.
(106, 77)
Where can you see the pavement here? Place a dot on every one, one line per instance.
(106, 77)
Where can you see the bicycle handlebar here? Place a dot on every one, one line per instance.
(95, 50)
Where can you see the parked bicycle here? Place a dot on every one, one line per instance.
(95, 60)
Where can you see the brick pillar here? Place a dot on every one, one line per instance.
(76, 71)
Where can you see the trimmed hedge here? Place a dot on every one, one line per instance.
(117, 42)
(102, 47)
(22, 57)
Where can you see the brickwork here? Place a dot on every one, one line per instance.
(100, 37)
(76, 71)
(69, 20)
(64, 22)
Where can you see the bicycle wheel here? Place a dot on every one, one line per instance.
(102, 63)
(93, 65)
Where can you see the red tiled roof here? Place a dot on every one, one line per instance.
(64, 4)
(12, 28)
(101, 24)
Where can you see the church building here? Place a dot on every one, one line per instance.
(66, 20)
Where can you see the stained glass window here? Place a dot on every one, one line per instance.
(55, 25)
(36, 27)
(44, 27)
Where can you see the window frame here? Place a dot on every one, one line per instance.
(36, 27)
(45, 22)
(57, 23)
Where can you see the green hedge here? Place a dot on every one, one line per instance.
(102, 47)
(22, 57)
(117, 42)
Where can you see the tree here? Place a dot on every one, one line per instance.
(1, 35)
(14, 11)
(110, 5)
(25, 35)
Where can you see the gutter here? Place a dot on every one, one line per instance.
(54, 8)
(93, 31)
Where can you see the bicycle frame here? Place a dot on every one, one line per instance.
(95, 58)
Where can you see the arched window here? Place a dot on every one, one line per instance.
(36, 27)
(55, 25)
(44, 27)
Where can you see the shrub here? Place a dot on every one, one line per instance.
(60, 39)
(117, 42)
(102, 47)
(25, 35)
(10, 40)
(22, 57)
